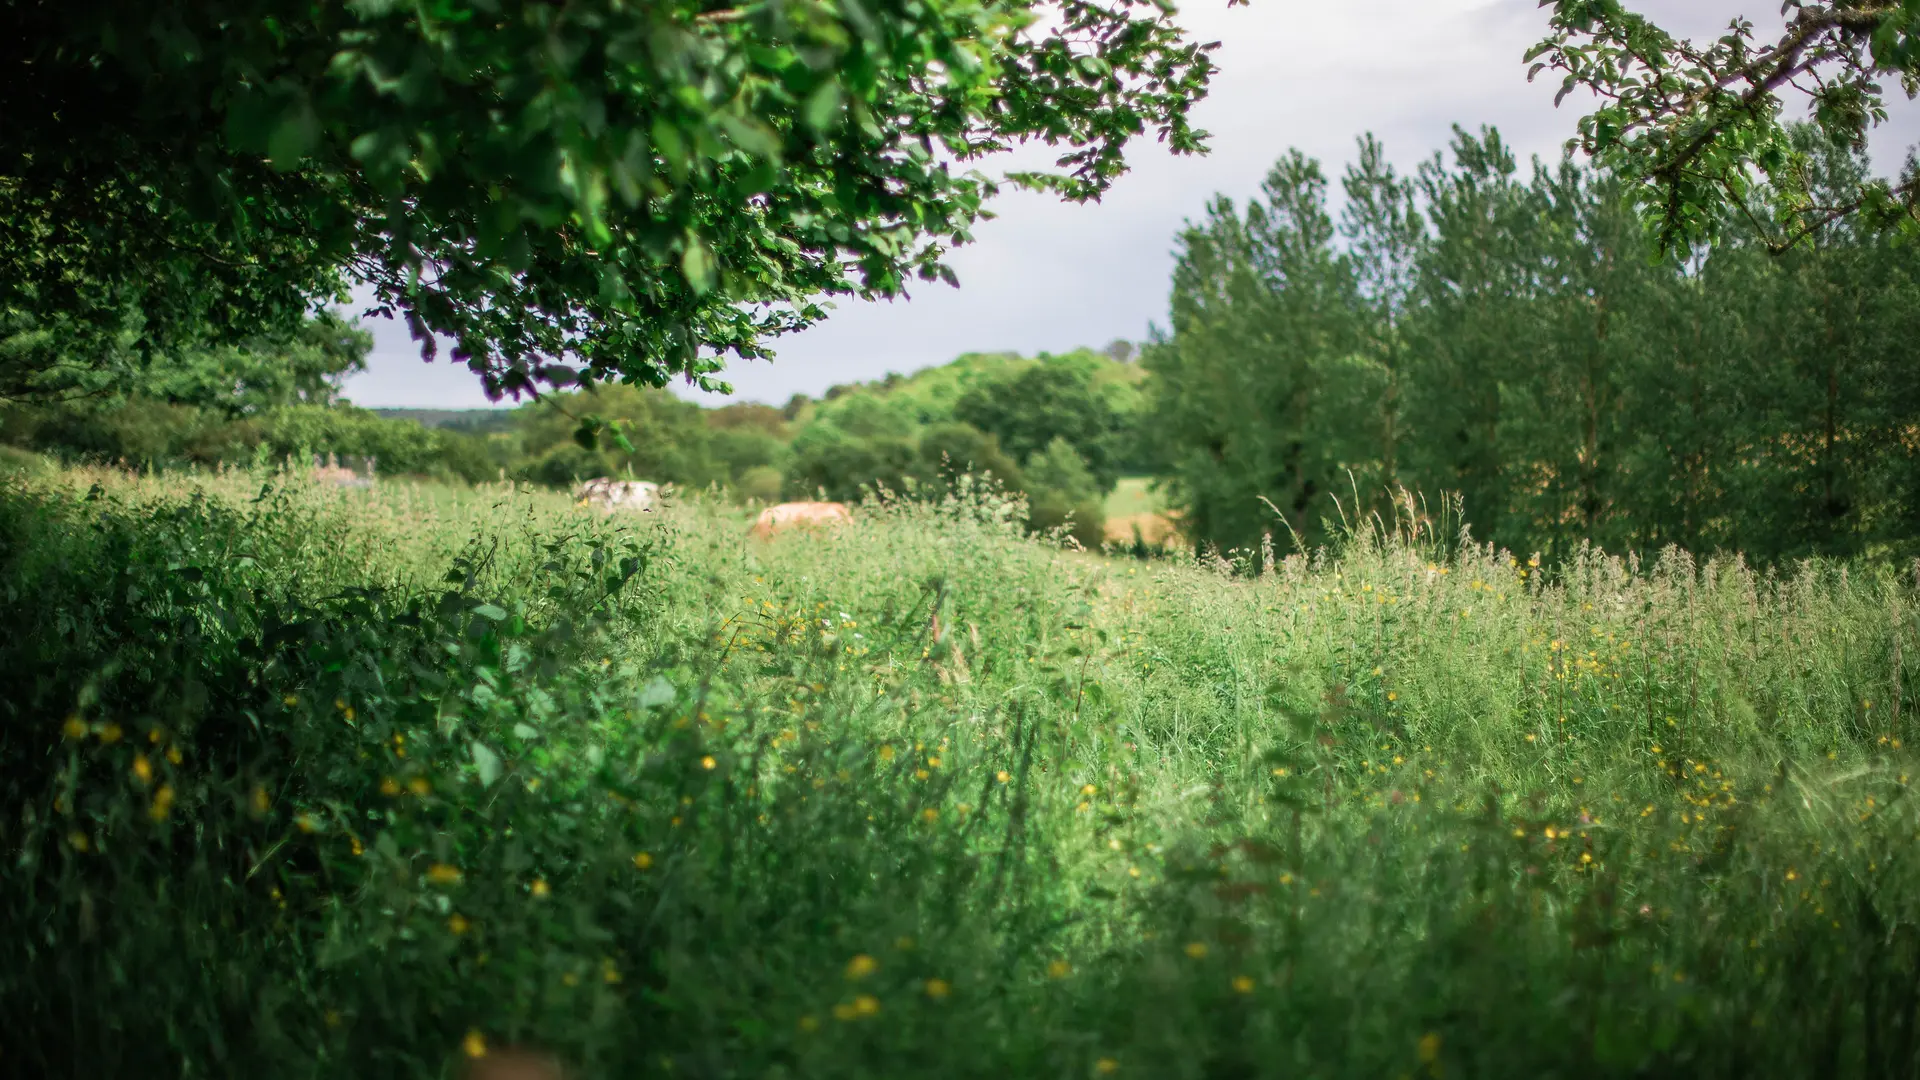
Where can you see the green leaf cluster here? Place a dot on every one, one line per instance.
(1472, 332)
(574, 193)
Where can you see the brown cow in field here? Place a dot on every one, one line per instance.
(800, 514)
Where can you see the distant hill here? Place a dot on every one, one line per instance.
(477, 421)
(927, 396)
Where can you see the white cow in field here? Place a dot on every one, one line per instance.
(611, 495)
(800, 514)
(332, 472)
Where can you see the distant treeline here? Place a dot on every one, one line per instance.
(1465, 332)
(1511, 338)
(1060, 429)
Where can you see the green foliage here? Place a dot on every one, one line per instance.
(590, 192)
(1048, 401)
(667, 440)
(951, 449)
(838, 464)
(1698, 128)
(1508, 341)
(303, 365)
(1263, 330)
(319, 784)
(1063, 492)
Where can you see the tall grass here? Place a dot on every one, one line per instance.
(312, 783)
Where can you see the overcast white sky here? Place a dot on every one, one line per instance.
(1046, 275)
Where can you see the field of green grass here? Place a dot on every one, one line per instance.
(1132, 496)
(313, 783)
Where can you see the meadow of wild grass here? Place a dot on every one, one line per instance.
(310, 783)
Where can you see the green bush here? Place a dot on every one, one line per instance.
(762, 483)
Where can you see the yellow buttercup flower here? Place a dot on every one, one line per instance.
(475, 1044)
(443, 874)
(162, 803)
(862, 966)
(938, 988)
(1429, 1048)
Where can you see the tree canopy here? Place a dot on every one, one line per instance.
(1498, 334)
(572, 193)
(1701, 129)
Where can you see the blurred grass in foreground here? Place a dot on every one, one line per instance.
(302, 782)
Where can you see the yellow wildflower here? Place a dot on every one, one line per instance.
(1429, 1048)
(475, 1044)
(141, 769)
(643, 860)
(937, 988)
(162, 803)
(1059, 969)
(443, 874)
(1197, 949)
(74, 728)
(540, 889)
(419, 785)
(862, 966)
(458, 924)
(1242, 984)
